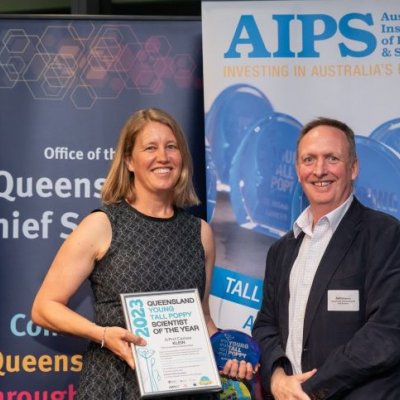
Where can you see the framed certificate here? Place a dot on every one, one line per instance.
(178, 357)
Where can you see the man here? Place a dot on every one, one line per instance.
(329, 325)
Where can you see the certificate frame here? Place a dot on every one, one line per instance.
(178, 358)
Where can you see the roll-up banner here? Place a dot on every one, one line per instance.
(269, 68)
(67, 87)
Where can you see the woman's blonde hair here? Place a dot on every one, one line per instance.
(120, 182)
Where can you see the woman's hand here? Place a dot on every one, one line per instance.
(239, 370)
(119, 341)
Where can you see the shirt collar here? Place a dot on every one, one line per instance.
(305, 219)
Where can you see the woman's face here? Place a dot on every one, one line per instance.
(156, 160)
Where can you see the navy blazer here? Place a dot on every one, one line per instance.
(357, 353)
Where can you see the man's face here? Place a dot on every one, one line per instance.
(325, 169)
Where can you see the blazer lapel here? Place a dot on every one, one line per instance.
(336, 250)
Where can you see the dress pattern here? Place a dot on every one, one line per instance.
(146, 254)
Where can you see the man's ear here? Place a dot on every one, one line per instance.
(297, 172)
(355, 168)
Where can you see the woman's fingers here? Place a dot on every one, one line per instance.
(137, 340)
(238, 370)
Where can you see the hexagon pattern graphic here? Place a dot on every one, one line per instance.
(87, 62)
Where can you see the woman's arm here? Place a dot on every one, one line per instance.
(71, 266)
(232, 368)
(207, 239)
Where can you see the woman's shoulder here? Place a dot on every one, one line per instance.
(113, 210)
(183, 214)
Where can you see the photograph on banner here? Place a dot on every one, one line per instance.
(66, 87)
(269, 68)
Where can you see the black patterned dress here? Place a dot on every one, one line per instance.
(146, 254)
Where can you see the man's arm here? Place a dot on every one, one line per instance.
(374, 349)
(276, 370)
(266, 330)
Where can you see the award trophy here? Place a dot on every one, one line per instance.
(235, 345)
(377, 183)
(263, 178)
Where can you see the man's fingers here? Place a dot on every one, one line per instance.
(307, 375)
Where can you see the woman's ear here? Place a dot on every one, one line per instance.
(129, 164)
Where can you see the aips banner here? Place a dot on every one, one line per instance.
(269, 68)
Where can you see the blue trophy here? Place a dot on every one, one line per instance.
(229, 345)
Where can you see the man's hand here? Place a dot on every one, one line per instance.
(288, 387)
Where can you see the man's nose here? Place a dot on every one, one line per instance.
(320, 167)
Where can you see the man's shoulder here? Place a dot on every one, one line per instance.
(372, 217)
(287, 239)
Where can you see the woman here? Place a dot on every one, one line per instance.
(140, 240)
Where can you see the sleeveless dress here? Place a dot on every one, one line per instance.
(146, 254)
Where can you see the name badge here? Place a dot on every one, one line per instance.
(343, 300)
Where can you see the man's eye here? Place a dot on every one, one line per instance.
(308, 160)
(333, 159)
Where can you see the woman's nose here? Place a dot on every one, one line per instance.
(162, 154)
